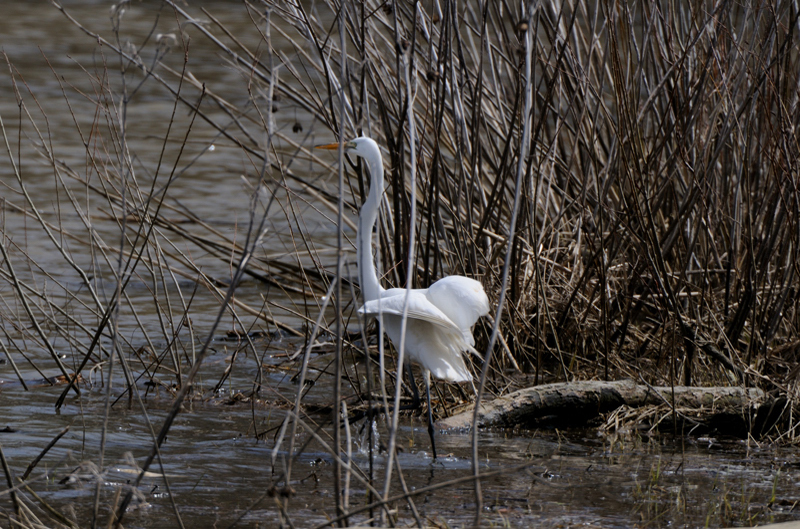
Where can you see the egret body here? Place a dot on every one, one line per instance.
(439, 318)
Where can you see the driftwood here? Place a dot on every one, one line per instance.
(729, 410)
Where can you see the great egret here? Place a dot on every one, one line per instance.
(439, 318)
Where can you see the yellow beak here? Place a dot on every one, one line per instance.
(329, 147)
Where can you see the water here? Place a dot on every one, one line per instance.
(218, 472)
(217, 456)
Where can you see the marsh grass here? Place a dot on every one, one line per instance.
(630, 205)
(662, 501)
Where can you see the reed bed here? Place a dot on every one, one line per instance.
(621, 177)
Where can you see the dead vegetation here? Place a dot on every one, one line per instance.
(622, 179)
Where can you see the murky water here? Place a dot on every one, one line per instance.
(217, 457)
(218, 473)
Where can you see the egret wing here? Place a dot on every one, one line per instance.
(419, 307)
(461, 299)
(431, 339)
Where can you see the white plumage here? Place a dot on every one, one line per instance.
(439, 318)
(439, 326)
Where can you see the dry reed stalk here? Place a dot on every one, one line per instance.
(622, 178)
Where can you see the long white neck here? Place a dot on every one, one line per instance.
(367, 276)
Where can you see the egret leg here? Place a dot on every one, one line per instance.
(430, 411)
(417, 404)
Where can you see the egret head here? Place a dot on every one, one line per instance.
(367, 149)
(364, 147)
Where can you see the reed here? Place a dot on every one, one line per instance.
(621, 177)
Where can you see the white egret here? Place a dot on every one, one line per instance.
(439, 318)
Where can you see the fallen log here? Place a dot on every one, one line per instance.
(729, 410)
